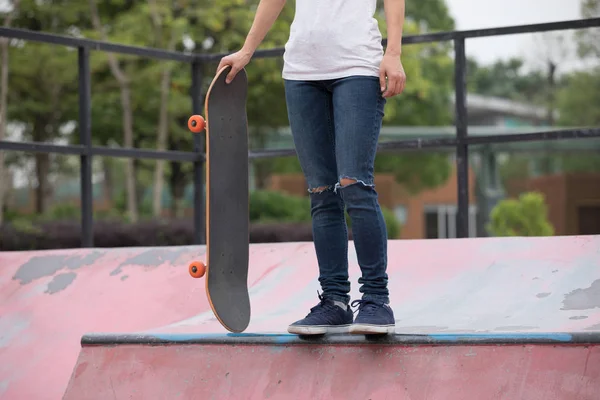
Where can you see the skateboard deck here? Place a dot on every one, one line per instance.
(227, 208)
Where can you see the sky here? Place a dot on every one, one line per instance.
(475, 14)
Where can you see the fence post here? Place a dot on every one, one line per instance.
(199, 204)
(462, 154)
(85, 138)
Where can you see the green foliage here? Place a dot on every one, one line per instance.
(434, 13)
(59, 212)
(272, 206)
(577, 103)
(25, 225)
(526, 216)
(392, 224)
(575, 96)
(588, 40)
(578, 100)
(269, 206)
(507, 79)
(64, 211)
(120, 206)
(415, 171)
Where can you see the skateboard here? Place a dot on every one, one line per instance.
(227, 208)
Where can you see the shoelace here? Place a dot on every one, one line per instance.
(366, 307)
(323, 306)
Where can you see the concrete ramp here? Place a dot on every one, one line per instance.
(522, 314)
(443, 367)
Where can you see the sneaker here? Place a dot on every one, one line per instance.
(373, 318)
(326, 317)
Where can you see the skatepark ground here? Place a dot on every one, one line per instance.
(484, 318)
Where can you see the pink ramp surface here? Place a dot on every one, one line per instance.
(50, 299)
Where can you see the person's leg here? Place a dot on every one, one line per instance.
(358, 114)
(310, 116)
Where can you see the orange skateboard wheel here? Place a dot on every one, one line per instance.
(196, 123)
(197, 269)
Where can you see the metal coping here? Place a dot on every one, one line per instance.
(278, 339)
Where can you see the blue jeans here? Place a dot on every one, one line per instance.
(335, 126)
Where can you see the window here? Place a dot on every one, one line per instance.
(431, 225)
(441, 221)
(589, 220)
(401, 214)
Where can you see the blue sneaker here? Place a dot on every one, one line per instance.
(326, 317)
(373, 318)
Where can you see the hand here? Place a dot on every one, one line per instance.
(237, 61)
(392, 69)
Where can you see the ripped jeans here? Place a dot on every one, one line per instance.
(335, 125)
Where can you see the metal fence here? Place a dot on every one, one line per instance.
(461, 142)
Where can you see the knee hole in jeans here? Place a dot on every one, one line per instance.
(319, 189)
(347, 181)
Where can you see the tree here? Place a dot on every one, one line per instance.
(431, 15)
(507, 79)
(578, 106)
(4, 42)
(572, 95)
(526, 216)
(579, 96)
(43, 89)
(589, 39)
(167, 25)
(220, 27)
(125, 88)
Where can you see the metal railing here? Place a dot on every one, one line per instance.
(461, 142)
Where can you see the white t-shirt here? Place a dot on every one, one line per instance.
(332, 39)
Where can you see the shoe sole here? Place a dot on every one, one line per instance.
(317, 329)
(372, 329)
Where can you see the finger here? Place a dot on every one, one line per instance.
(391, 87)
(234, 70)
(399, 86)
(385, 87)
(403, 82)
(402, 85)
(382, 81)
(394, 88)
(222, 63)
